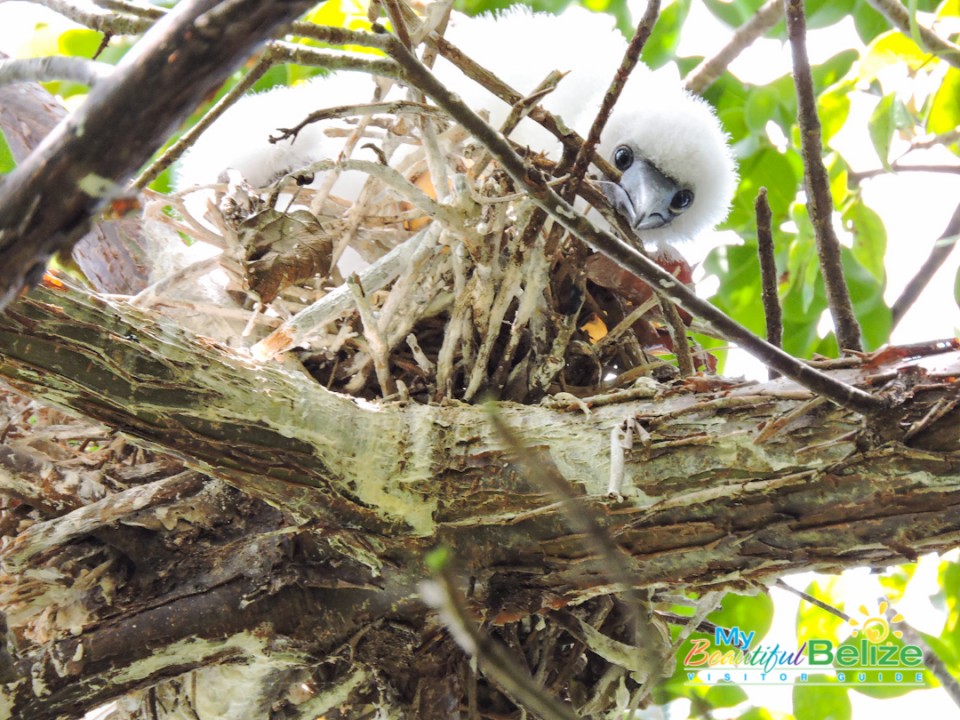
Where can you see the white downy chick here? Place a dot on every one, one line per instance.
(679, 174)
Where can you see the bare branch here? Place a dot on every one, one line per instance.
(856, 177)
(768, 273)
(898, 15)
(707, 72)
(938, 254)
(110, 23)
(131, 7)
(45, 69)
(819, 200)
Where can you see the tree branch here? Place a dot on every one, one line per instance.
(819, 200)
(45, 69)
(938, 255)
(47, 203)
(110, 23)
(898, 15)
(821, 497)
(707, 72)
(768, 273)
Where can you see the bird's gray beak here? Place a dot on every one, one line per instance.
(642, 196)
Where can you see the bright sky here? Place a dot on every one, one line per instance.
(915, 208)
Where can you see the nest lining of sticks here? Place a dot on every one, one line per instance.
(472, 294)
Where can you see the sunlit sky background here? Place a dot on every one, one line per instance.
(915, 208)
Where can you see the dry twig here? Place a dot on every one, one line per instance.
(819, 200)
(768, 273)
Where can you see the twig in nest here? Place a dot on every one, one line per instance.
(393, 107)
(379, 351)
(297, 331)
(819, 200)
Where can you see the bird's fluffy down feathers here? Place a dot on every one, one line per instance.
(675, 131)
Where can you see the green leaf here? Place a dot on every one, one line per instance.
(821, 702)
(868, 21)
(833, 107)
(821, 13)
(895, 580)
(7, 163)
(869, 237)
(80, 42)
(759, 713)
(750, 613)
(956, 288)
(734, 13)
(761, 104)
(889, 116)
(891, 48)
(725, 696)
(944, 113)
(738, 269)
(866, 294)
(661, 47)
(771, 169)
(834, 69)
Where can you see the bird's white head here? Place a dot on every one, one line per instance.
(679, 175)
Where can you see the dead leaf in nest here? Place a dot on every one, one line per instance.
(283, 249)
(609, 274)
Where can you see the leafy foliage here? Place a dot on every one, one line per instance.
(761, 122)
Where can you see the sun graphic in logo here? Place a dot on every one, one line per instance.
(875, 628)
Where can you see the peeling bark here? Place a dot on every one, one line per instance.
(319, 543)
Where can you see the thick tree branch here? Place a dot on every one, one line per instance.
(819, 200)
(821, 494)
(49, 200)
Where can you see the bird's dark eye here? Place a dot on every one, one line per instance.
(623, 157)
(681, 201)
